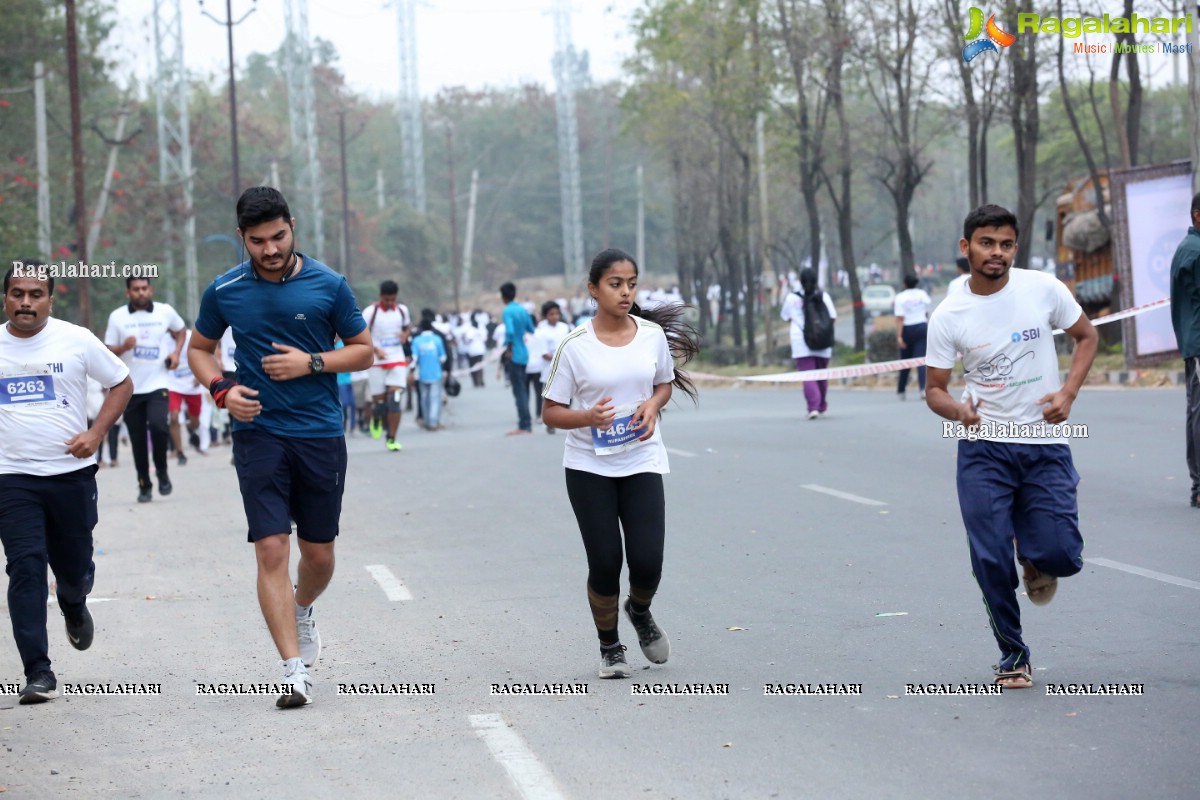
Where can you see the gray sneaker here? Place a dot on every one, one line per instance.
(613, 663)
(301, 688)
(310, 639)
(656, 647)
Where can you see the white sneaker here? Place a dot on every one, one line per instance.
(310, 638)
(813, 414)
(301, 687)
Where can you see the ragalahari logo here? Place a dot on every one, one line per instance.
(994, 36)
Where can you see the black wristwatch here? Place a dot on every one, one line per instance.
(316, 364)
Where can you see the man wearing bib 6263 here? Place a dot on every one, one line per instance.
(48, 468)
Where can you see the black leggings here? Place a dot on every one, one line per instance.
(603, 506)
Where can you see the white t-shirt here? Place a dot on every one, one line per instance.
(548, 337)
(474, 340)
(534, 346)
(913, 305)
(585, 371)
(43, 395)
(387, 332)
(147, 361)
(228, 351)
(181, 380)
(1007, 345)
(958, 282)
(793, 311)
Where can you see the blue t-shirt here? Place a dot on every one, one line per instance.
(304, 311)
(517, 323)
(429, 352)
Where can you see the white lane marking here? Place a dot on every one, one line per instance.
(1145, 573)
(677, 452)
(532, 779)
(391, 585)
(866, 501)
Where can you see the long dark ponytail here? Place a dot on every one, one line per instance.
(682, 338)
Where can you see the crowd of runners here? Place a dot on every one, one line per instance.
(282, 364)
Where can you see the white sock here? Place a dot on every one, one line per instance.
(292, 664)
(302, 612)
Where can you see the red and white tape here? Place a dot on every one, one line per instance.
(860, 370)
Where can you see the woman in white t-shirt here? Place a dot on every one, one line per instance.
(912, 315)
(804, 357)
(608, 383)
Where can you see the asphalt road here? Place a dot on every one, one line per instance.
(767, 581)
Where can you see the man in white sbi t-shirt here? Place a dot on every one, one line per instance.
(148, 336)
(48, 467)
(1016, 479)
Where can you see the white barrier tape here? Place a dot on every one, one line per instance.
(493, 355)
(860, 370)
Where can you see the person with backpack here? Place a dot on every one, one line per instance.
(811, 314)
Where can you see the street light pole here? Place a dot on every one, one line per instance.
(229, 22)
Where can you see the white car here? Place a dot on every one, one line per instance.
(878, 299)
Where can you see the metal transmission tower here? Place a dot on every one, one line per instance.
(412, 148)
(302, 109)
(567, 68)
(174, 144)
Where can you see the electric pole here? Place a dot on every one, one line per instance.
(229, 23)
(566, 78)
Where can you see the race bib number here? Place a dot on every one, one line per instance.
(145, 353)
(26, 390)
(621, 436)
(390, 341)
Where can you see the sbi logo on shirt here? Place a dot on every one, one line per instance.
(1027, 335)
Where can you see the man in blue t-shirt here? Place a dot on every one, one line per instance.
(288, 445)
(517, 323)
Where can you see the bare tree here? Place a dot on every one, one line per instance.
(841, 195)
(897, 78)
(978, 81)
(1128, 124)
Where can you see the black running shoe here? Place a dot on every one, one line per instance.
(182, 460)
(41, 687)
(194, 439)
(145, 493)
(80, 628)
(164, 486)
(656, 647)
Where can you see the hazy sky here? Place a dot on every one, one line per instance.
(473, 43)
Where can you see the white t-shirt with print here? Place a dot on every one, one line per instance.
(913, 305)
(585, 371)
(1007, 344)
(181, 380)
(43, 395)
(147, 361)
(387, 332)
(793, 311)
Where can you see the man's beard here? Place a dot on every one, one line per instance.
(980, 271)
(283, 265)
(141, 305)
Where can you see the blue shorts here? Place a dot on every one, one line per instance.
(287, 478)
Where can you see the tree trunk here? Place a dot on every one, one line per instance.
(1025, 134)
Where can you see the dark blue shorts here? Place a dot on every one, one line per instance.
(285, 478)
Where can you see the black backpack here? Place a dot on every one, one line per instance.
(818, 325)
